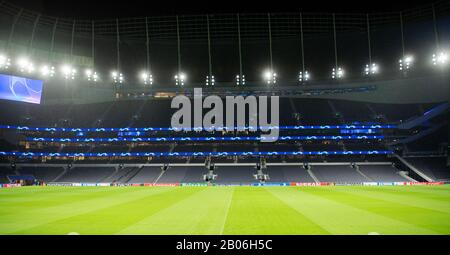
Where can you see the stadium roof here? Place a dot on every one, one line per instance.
(83, 9)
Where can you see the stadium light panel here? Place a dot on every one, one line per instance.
(240, 80)
(406, 62)
(117, 77)
(180, 79)
(146, 78)
(270, 77)
(337, 74)
(440, 59)
(25, 65)
(91, 75)
(303, 77)
(371, 69)
(47, 71)
(210, 81)
(68, 72)
(5, 62)
(95, 76)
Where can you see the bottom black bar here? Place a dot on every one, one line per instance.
(248, 244)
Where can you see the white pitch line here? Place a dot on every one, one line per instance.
(228, 209)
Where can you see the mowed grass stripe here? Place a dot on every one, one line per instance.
(41, 200)
(339, 218)
(256, 211)
(202, 213)
(112, 219)
(439, 193)
(22, 218)
(415, 199)
(32, 192)
(422, 217)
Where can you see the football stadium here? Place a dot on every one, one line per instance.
(280, 123)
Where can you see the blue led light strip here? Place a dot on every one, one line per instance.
(223, 138)
(251, 128)
(188, 154)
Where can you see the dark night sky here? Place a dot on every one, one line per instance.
(130, 8)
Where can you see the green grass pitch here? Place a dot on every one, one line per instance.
(226, 210)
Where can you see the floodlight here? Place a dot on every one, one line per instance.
(91, 75)
(240, 80)
(210, 80)
(303, 76)
(5, 62)
(371, 69)
(95, 76)
(68, 72)
(337, 73)
(406, 62)
(180, 79)
(25, 65)
(22, 63)
(47, 71)
(440, 58)
(270, 77)
(147, 78)
(117, 77)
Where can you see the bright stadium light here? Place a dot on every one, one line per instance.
(240, 80)
(440, 59)
(371, 69)
(91, 75)
(337, 74)
(210, 81)
(68, 72)
(117, 77)
(147, 78)
(95, 76)
(25, 65)
(47, 71)
(180, 79)
(303, 77)
(5, 62)
(270, 77)
(406, 62)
